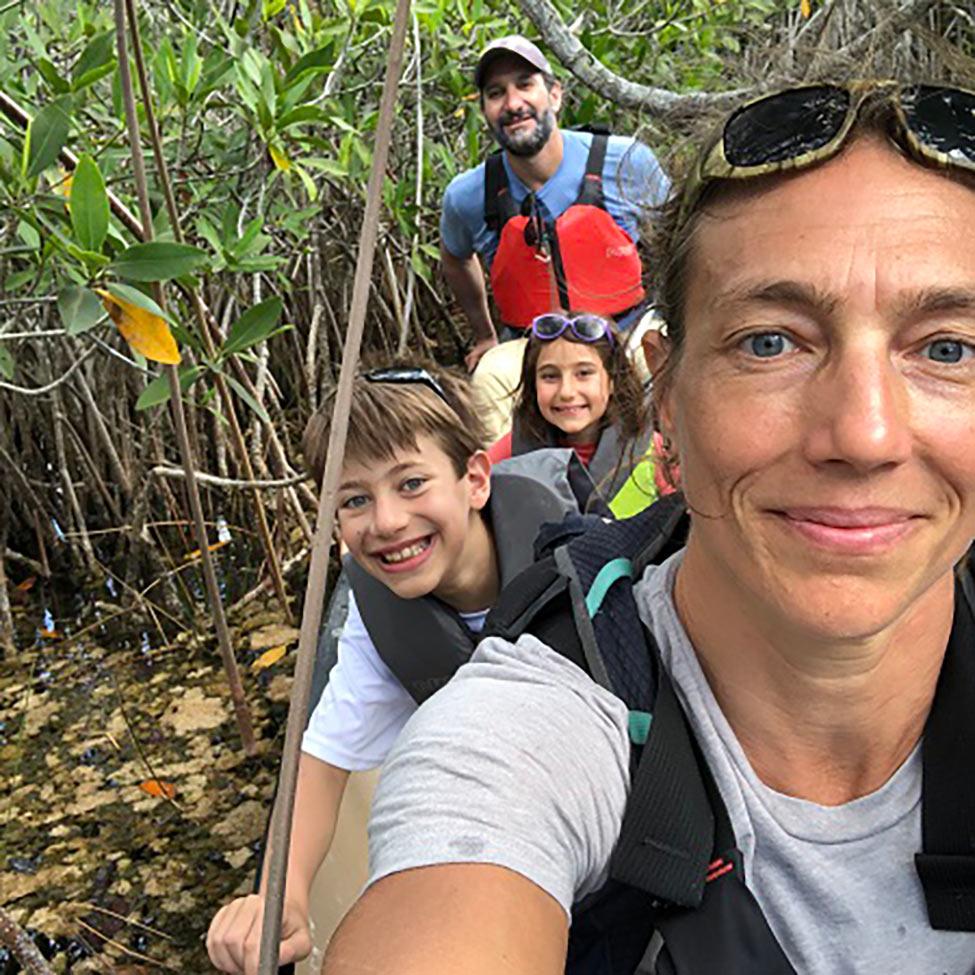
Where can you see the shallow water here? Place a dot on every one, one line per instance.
(104, 714)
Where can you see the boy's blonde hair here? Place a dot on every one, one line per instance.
(387, 417)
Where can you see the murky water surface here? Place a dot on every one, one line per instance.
(128, 812)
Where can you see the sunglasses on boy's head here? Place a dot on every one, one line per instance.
(406, 376)
(586, 328)
(802, 126)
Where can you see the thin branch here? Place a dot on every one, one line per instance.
(228, 482)
(46, 333)
(41, 390)
(25, 951)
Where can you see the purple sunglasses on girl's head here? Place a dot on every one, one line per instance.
(585, 327)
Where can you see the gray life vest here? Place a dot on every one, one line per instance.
(612, 463)
(423, 641)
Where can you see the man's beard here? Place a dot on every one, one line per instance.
(525, 143)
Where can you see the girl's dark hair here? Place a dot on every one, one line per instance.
(627, 408)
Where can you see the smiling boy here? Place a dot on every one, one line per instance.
(426, 563)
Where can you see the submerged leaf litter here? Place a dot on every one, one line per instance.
(128, 810)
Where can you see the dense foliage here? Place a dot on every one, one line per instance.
(266, 113)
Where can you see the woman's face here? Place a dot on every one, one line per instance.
(824, 404)
(573, 389)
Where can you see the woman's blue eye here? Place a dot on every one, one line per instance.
(947, 350)
(767, 345)
(413, 483)
(356, 501)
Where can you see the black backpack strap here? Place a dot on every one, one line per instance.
(592, 183)
(668, 833)
(580, 602)
(498, 205)
(596, 128)
(946, 866)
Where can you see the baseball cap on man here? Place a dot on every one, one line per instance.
(512, 44)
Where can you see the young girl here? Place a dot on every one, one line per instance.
(579, 389)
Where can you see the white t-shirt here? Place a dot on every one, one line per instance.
(363, 707)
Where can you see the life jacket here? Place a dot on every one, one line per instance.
(611, 468)
(583, 261)
(676, 902)
(423, 641)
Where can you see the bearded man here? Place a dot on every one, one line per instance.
(553, 216)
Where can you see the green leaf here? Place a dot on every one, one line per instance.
(6, 362)
(254, 326)
(50, 74)
(248, 399)
(330, 166)
(90, 77)
(320, 60)
(271, 8)
(191, 65)
(158, 260)
(29, 235)
(302, 114)
(89, 204)
(91, 259)
(159, 390)
(310, 188)
(47, 133)
(80, 309)
(136, 297)
(99, 51)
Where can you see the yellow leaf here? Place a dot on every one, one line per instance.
(63, 186)
(268, 658)
(280, 159)
(159, 789)
(145, 332)
(805, 8)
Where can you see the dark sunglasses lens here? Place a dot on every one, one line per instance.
(942, 119)
(589, 327)
(548, 326)
(785, 126)
(394, 374)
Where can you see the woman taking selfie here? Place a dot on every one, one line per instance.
(801, 698)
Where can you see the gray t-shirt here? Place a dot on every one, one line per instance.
(522, 761)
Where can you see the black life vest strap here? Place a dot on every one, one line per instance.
(591, 193)
(946, 866)
(499, 208)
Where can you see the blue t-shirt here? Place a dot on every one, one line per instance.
(632, 181)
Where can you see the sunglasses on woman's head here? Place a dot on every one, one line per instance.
(802, 126)
(585, 327)
(406, 376)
